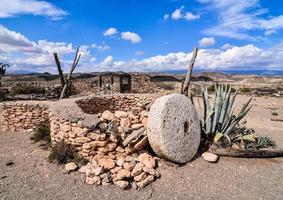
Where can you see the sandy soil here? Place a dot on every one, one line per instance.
(32, 177)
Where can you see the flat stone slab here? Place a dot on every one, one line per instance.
(174, 128)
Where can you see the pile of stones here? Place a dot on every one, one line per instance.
(125, 170)
(123, 161)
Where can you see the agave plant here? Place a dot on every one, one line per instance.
(219, 121)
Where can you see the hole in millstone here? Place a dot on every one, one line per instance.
(186, 127)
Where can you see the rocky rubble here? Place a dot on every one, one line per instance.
(124, 170)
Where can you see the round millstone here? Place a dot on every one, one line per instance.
(174, 128)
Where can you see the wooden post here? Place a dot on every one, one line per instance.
(67, 81)
(186, 84)
(58, 64)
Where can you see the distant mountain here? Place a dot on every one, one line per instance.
(260, 72)
(18, 72)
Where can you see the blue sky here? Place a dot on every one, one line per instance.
(142, 35)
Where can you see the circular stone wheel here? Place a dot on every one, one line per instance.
(174, 128)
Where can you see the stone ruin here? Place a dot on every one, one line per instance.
(111, 132)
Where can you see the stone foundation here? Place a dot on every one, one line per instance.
(23, 116)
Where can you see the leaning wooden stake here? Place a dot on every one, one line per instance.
(186, 84)
(67, 81)
(60, 71)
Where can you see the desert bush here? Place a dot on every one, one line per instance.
(246, 90)
(165, 86)
(42, 132)
(222, 127)
(274, 113)
(27, 89)
(62, 153)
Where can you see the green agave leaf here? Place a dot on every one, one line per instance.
(217, 137)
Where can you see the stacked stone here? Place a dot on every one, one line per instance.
(107, 137)
(97, 105)
(115, 148)
(23, 117)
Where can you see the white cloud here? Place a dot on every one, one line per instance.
(237, 18)
(110, 31)
(133, 37)
(177, 14)
(207, 41)
(139, 53)
(166, 17)
(22, 53)
(242, 57)
(13, 8)
(190, 16)
(227, 46)
(101, 48)
(180, 14)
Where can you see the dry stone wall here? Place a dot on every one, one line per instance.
(23, 116)
(114, 144)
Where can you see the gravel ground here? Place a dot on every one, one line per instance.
(32, 177)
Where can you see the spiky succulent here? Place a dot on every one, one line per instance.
(219, 120)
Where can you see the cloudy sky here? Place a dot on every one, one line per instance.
(142, 35)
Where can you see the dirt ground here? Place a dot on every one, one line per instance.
(32, 177)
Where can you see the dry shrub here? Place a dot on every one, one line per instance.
(27, 89)
(42, 132)
(62, 153)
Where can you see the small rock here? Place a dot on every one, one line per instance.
(98, 171)
(107, 163)
(8, 163)
(129, 166)
(115, 170)
(71, 167)
(137, 126)
(134, 185)
(125, 123)
(122, 184)
(210, 157)
(121, 114)
(152, 172)
(120, 162)
(140, 177)
(107, 115)
(84, 168)
(103, 126)
(147, 160)
(123, 174)
(137, 169)
(145, 182)
(141, 144)
(93, 180)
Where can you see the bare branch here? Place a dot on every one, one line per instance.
(186, 85)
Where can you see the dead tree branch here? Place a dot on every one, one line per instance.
(186, 84)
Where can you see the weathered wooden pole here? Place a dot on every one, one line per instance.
(186, 84)
(67, 81)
